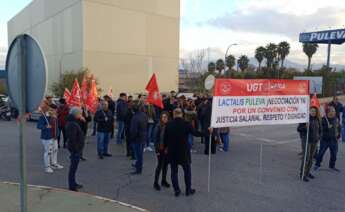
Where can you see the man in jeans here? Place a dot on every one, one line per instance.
(75, 137)
(138, 133)
(121, 113)
(105, 121)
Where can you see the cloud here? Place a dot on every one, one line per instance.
(271, 21)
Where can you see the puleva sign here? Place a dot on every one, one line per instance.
(329, 36)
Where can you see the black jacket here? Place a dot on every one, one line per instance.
(330, 130)
(121, 110)
(314, 130)
(105, 121)
(111, 106)
(159, 137)
(75, 135)
(138, 128)
(176, 141)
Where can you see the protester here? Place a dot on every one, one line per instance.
(48, 133)
(313, 139)
(121, 112)
(111, 108)
(83, 122)
(224, 134)
(191, 117)
(170, 104)
(178, 152)
(128, 119)
(138, 133)
(330, 136)
(162, 162)
(99, 107)
(105, 122)
(151, 117)
(337, 105)
(206, 123)
(76, 138)
(54, 128)
(62, 112)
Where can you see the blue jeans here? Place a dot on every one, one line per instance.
(226, 140)
(102, 143)
(190, 141)
(120, 131)
(138, 150)
(150, 131)
(343, 133)
(333, 148)
(75, 158)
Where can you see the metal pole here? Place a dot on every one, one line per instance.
(22, 107)
(209, 164)
(306, 143)
(329, 55)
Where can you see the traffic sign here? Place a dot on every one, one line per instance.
(209, 82)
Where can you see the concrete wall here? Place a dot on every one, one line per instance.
(125, 41)
(57, 26)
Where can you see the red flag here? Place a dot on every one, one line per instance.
(67, 96)
(91, 102)
(75, 98)
(154, 97)
(83, 91)
(314, 102)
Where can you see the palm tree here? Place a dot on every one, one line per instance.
(283, 51)
(230, 61)
(220, 65)
(211, 67)
(310, 49)
(243, 62)
(259, 55)
(271, 54)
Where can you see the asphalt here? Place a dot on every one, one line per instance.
(238, 181)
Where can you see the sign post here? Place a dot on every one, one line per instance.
(26, 82)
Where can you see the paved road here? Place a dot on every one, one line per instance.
(237, 182)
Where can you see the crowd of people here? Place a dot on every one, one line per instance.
(324, 133)
(168, 132)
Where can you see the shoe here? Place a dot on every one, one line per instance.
(177, 193)
(107, 155)
(83, 159)
(165, 184)
(305, 179)
(57, 166)
(156, 186)
(149, 149)
(311, 176)
(316, 168)
(221, 150)
(73, 189)
(190, 192)
(79, 186)
(335, 169)
(49, 170)
(100, 157)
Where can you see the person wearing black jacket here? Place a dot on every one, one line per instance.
(206, 123)
(75, 144)
(178, 151)
(313, 139)
(105, 122)
(128, 120)
(83, 123)
(138, 135)
(162, 165)
(111, 108)
(121, 113)
(330, 136)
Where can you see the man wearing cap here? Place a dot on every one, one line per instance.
(75, 143)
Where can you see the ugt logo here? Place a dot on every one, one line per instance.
(254, 87)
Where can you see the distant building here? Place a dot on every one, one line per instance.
(188, 81)
(121, 42)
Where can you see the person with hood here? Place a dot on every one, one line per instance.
(162, 165)
(178, 151)
(121, 113)
(76, 139)
(138, 135)
(329, 140)
(313, 139)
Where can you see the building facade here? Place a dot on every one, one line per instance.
(122, 42)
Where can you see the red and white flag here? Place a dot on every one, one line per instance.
(83, 91)
(75, 98)
(154, 97)
(91, 102)
(67, 96)
(314, 102)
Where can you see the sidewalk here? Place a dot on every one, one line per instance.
(46, 199)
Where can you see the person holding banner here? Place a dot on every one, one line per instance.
(313, 139)
(206, 123)
(330, 136)
(178, 151)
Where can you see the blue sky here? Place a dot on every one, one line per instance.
(214, 24)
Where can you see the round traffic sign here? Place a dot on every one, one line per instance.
(209, 82)
(26, 73)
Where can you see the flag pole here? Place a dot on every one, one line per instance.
(306, 143)
(209, 164)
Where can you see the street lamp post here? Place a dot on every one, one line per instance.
(226, 53)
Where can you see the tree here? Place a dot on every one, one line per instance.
(196, 60)
(259, 55)
(220, 65)
(310, 49)
(243, 62)
(271, 54)
(283, 51)
(211, 67)
(230, 61)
